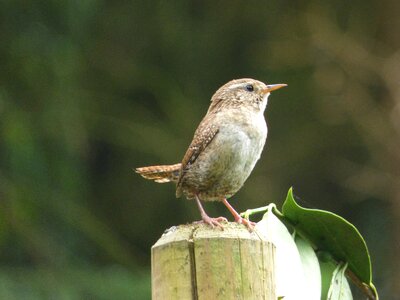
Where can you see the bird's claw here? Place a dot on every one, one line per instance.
(249, 224)
(213, 221)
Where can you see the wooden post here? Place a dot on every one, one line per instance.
(196, 261)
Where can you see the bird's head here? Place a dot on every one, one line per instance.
(243, 92)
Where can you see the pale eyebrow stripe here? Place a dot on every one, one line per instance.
(237, 85)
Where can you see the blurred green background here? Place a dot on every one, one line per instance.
(90, 89)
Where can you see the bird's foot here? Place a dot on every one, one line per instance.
(208, 220)
(238, 219)
(249, 224)
(213, 221)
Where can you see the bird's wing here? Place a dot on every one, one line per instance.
(203, 136)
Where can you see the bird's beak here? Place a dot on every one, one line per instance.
(273, 87)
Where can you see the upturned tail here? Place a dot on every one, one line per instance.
(161, 174)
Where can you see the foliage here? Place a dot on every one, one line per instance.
(321, 231)
(75, 282)
(331, 233)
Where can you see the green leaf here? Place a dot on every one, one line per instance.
(327, 265)
(312, 273)
(339, 289)
(290, 280)
(331, 233)
(333, 283)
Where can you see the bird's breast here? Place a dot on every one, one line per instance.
(222, 168)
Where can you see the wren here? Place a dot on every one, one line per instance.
(225, 148)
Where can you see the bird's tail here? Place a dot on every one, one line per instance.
(160, 174)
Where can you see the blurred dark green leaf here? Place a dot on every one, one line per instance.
(74, 282)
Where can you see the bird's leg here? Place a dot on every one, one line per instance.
(208, 220)
(237, 217)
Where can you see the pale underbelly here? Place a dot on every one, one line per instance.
(220, 173)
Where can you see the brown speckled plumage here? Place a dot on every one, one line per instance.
(225, 147)
(161, 174)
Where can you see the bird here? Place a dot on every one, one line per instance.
(225, 148)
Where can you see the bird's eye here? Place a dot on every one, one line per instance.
(249, 87)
